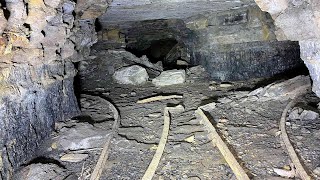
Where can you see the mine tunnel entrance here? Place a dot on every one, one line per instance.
(169, 52)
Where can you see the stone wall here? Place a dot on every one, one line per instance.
(39, 41)
(299, 20)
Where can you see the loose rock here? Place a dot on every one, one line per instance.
(81, 136)
(309, 115)
(294, 114)
(134, 75)
(170, 77)
(96, 108)
(284, 90)
(42, 172)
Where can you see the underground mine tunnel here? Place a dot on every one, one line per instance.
(159, 89)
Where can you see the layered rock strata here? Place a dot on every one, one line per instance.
(40, 40)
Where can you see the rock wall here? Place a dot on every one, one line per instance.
(241, 44)
(40, 40)
(232, 45)
(244, 61)
(299, 20)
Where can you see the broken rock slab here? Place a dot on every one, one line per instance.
(42, 172)
(95, 108)
(81, 136)
(134, 75)
(170, 77)
(284, 90)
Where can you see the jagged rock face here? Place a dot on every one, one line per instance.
(39, 41)
(299, 21)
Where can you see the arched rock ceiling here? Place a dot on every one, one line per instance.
(138, 10)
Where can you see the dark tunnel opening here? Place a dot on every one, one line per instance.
(168, 51)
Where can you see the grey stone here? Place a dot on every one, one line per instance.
(42, 172)
(309, 115)
(81, 136)
(134, 75)
(170, 77)
(316, 171)
(284, 90)
(294, 114)
(126, 10)
(196, 70)
(97, 108)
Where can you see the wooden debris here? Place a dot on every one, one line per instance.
(74, 157)
(96, 174)
(223, 148)
(159, 98)
(163, 140)
(294, 157)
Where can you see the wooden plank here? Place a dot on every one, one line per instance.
(238, 171)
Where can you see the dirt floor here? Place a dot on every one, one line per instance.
(247, 123)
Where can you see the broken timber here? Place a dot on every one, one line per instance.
(294, 157)
(163, 140)
(159, 98)
(223, 148)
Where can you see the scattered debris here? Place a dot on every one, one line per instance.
(134, 75)
(144, 61)
(170, 77)
(309, 115)
(155, 115)
(190, 139)
(159, 98)
(295, 113)
(81, 136)
(74, 157)
(294, 157)
(226, 85)
(217, 141)
(285, 173)
(196, 71)
(182, 63)
(85, 172)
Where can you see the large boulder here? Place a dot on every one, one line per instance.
(170, 77)
(134, 75)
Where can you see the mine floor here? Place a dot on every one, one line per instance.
(248, 125)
